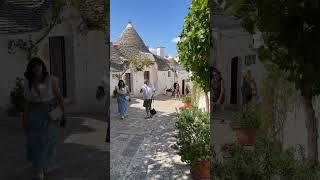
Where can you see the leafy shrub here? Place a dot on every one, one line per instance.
(264, 162)
(247, 118)
(17, 99)
(186, 99)
(193, 127)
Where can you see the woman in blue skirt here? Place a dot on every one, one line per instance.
(123, 98)
(42, 96)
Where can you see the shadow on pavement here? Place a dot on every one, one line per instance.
(82, 152)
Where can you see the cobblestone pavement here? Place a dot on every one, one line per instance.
(223, 133)
(83, 155)
(143, 148)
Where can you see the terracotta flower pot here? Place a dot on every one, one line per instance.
(246, 136)
(202, 171)
(186, 105)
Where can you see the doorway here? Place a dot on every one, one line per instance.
(234, 80)
(58, 61)
(146, 75)
(183, 87)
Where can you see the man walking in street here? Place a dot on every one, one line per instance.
(147, 98)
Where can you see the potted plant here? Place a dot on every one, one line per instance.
(245, 124)
(193, 140)
(115, 93)
(17, 98)
(186, 101)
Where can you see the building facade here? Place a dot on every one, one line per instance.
(71, 50)
(162, 74)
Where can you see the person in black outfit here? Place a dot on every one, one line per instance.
(101, 92)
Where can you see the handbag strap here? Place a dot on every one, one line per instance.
(152, 102)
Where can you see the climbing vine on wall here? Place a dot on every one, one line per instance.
(279, 97)
(30, 45)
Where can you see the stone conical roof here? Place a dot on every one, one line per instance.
(130, 41)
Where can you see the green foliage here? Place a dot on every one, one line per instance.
(30, 46)
(279, 97)
(195, 94)
(136, 63)
(194, 47)
(264, 162)
(187, 99)
(139, 63)
(193, 127)
(247, 118)
(17, 99)
(290, 31)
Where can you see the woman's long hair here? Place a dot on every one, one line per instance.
(119, 84)
(29, 75)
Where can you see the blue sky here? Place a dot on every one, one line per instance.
(158, 22)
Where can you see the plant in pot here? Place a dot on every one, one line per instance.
(186, 101)
(17, 98)
(193, 140)
(246, 123)
(115, 93)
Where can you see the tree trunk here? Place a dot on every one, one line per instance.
(207, 101)
(311, 125)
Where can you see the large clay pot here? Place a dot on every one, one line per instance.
(202, 171)
(246, 136)
(186, 105)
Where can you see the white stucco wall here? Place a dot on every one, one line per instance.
(86, 57)
(295, 131)
(159, 79)
(235, 43)
(11, 67)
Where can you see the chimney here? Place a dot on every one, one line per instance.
(160, 51)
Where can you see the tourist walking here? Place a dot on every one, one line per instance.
(148, 93)
(123, 96)
(217, 84)
(177, 91)
(42, 117)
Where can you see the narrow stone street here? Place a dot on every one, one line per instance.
(144, 148)
(83, 153)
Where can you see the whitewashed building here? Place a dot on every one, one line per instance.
(162, 74)
(234, 52)
(72, 51)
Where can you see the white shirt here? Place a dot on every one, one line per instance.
(147, 92)
(46, 92)
(123, 91)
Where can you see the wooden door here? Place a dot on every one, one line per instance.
(57, 61)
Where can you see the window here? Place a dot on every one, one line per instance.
(250, 59)
(146, 75)
(169, 73)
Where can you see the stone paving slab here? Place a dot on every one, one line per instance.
(82, 153)
(142, 148)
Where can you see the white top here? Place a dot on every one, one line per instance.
(147, 92)
(122, 91)
(46, 92)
